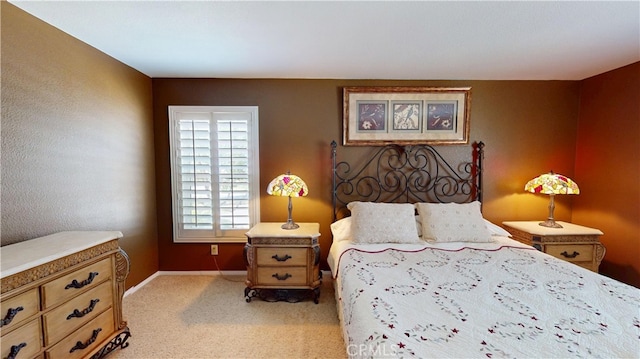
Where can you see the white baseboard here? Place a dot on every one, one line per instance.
(206, 272)
(159, 273)
(140, 285)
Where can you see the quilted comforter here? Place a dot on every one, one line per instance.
(500, 299)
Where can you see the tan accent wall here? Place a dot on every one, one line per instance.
(77, 141)
(608, 168)
(529, 128)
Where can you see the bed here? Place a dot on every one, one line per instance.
(419, 273)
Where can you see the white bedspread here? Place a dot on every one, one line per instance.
(491, 300)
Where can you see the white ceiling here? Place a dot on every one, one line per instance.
(428, 40)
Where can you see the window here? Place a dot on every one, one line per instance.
(214, 172)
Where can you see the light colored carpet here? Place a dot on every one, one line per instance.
(188, 316)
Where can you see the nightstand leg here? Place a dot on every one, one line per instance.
(248, 294)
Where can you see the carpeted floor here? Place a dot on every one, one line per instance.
(188, 316)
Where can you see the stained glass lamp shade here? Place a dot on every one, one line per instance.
(288, 185)
(552, 184)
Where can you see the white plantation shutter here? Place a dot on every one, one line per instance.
(233, 174)
(195, 195)
(215, 177)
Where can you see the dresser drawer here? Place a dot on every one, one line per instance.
(571, 252)
(64, 319)
(66, 287)
(27, 338)
(19, 308)
(85, 339)
(281, 256)
(282, 276)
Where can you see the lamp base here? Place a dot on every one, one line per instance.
(290, 225)
(550, 223)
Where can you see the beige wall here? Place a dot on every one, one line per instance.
(608, 168)
(77, 141)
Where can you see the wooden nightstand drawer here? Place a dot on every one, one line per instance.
(283, 264)
(19, 308)
(572, 243)
(85, 339)
(281, 256)
(571, 252)
(68, 286)
(26, 340)
(73, 314)
(282, 276)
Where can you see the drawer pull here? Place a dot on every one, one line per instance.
(11, 313)
(281, 259)
(572, 255)
(15, 349)
(81, 313)
(75, 284)
(283, 277)
(80, 345)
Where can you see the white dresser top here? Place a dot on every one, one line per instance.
(267, 229)
(570, 229)
(21, 256)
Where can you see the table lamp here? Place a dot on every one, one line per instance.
(552, 184)
(290, 186)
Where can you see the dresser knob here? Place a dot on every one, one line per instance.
(15, 349)
(572, 255)
(75, 284)
(11, 313)
(282, 277)
(81, 313)
(80, 345)
(281, 259)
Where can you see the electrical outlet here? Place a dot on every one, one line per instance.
(214, 249)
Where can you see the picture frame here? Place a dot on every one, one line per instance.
(378, 116)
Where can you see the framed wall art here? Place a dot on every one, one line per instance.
(377, 116)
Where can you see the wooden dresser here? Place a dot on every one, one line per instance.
(573, 243)
(61, 296)
(283, 264)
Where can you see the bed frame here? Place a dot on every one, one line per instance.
(396, 174)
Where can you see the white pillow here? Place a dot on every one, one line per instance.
(496, 230)
(453, 222)
(383, 222)
(341, 229)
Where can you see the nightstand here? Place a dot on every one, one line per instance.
(573, 243)
(283, 264)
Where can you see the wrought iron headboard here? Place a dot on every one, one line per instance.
(396, 174)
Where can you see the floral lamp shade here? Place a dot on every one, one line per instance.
(288, 185)
(552, 184)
